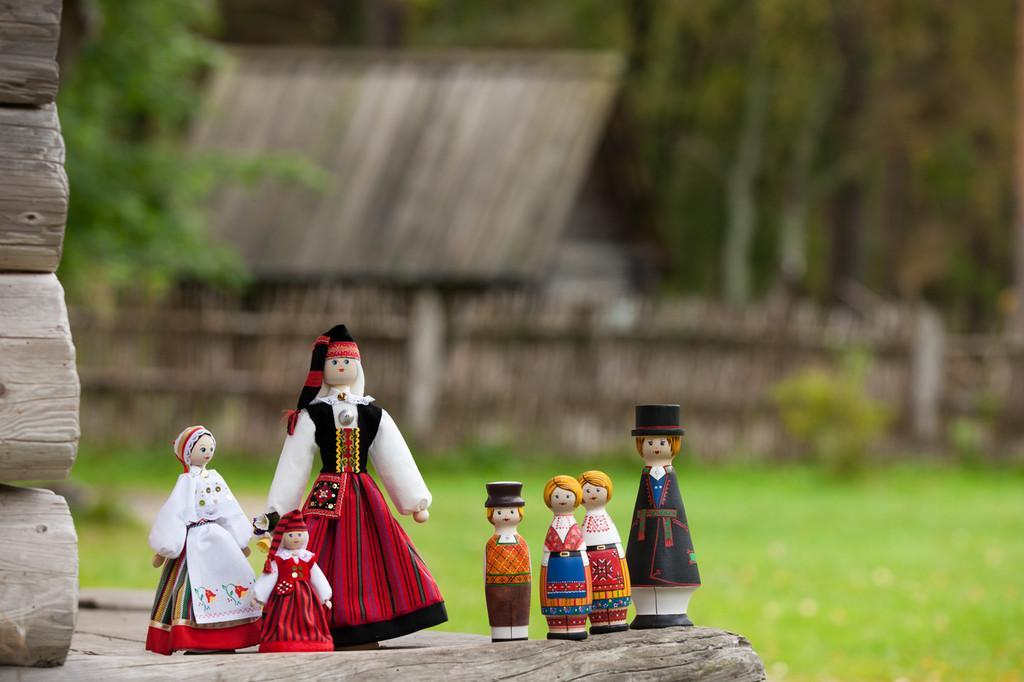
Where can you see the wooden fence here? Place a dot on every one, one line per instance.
(533, 371)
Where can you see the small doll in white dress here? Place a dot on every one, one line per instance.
(200, 536)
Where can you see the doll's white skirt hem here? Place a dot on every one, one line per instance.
(220, 576)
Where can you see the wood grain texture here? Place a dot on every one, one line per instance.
(29, 33)
(38, 577)
(109, 644)
(39, 392)
(235, 364)
(457, 167)
(33, 188)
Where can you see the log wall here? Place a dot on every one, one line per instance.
(39, 389)
(38, 577)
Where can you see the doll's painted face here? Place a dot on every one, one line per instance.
(295, 539)
(202, 452)
(594, 496)
(505, 517)
(341, 371)
(562, 500)
(657, 448)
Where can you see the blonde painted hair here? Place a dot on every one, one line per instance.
(598, 478)
(490, 513)
(674, 443)
(565, 483)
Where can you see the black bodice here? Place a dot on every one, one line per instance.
(345, 448)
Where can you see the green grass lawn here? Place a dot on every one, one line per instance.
(915, 572)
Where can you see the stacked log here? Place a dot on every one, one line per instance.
(39, 391)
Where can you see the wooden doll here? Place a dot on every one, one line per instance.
(203, 602)
(662, 562)
(608, 571)
(507, 564)
(565, 590)
(295, 591)
(382, 588)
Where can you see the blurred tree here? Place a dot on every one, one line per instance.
(803, 146)
(130, 87)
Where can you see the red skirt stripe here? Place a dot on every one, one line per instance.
(369, 560)
(201, 639)
(295, 618)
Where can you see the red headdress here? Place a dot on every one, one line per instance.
(187, 440)
(289, 523)
(335, 343)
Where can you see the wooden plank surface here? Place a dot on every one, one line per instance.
(39, 393)
(29, 33)
(33, 188)
(38, 577)
(109, 644)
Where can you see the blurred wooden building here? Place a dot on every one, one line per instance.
(443, 170)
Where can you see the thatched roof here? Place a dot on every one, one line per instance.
(445, 167)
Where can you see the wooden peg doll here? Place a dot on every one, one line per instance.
(565, 590)
(295, 591)
(200, 535)
(662, 562)
(507, 564)
(381, 586)
(608, 570)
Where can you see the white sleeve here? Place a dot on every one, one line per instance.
(586, 559)
(265, 584)
(167, 537)
(293, 467)
(397, 469)
(544, 557)
(233, 519)
(320, 584)
(622, 552)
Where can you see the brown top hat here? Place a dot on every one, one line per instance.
(505, 494)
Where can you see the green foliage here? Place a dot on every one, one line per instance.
(967, 437)
(136, 218)
(831, 412)
(910, 104)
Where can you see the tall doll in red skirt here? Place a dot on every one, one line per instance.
(295, 592)
(382, 588)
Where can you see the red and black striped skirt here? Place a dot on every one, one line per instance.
(381, 587)
(296, 621)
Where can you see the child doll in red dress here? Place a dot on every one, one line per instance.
(296, 592)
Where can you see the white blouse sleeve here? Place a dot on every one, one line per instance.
(319, 582)
(167, 537)
(265, 584)
(233, 519)
(397, 469)
(293, 467)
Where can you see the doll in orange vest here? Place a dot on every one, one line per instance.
(295, 591)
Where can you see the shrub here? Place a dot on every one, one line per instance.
(830, 411)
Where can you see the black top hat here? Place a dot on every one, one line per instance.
(657, 420)
(505, 494)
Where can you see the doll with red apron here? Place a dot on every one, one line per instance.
(295, 591)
